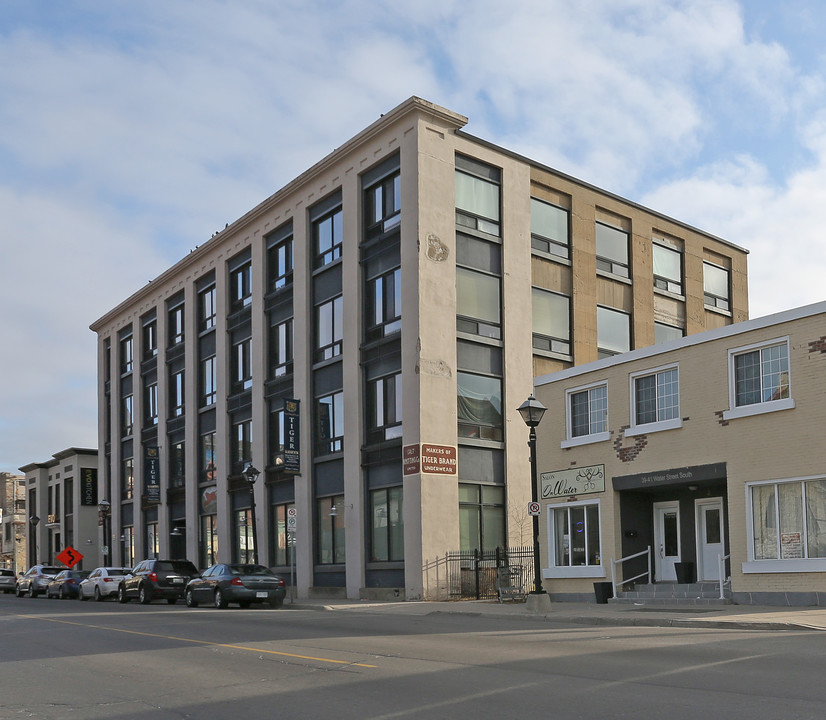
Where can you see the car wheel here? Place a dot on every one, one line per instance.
(60, 594)
(122, 594)
(80, 595)
(32, 593)
(18, 591)
(244, 604)
(144, 598)
(220, 600)
(190, 599)
(98, 596)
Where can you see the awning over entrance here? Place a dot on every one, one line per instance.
(692, 475)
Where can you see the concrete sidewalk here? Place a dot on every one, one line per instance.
(747, 617)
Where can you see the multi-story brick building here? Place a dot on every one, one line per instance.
(12, 521)
(397, 298)
(705, 448)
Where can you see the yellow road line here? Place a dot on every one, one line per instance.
(200, 642)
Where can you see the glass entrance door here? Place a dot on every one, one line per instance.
(666, 540)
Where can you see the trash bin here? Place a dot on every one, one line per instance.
(603, 591)
(685, 572)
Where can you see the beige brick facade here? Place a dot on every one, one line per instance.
(715, 450)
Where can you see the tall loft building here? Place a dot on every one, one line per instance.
(12, 521)
(364, 337)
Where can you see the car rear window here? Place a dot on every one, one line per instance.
(6, 573)
(118, 571)
(180, 567)
(51, 570)
(249, 570)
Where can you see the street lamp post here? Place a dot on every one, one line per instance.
(532, 411)
(251, 475)
(105, 510)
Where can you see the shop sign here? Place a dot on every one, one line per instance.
(429, 459)
(89, 486)
(152, 475)
(674, 476)
(573, 481)
(292, 438)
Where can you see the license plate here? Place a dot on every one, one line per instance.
(261, 594)
(177, 581)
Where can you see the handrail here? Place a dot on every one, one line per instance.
(614, 564)
(721, 573)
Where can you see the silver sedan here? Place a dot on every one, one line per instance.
(102, 583)
(240, 583)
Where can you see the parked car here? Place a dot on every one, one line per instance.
(102, 583)
(35, 579)
(8, 580)
(153, 579)
(65, 584)
(239, 583)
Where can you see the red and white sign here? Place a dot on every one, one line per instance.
(533, 508)
(69, 556)
(430, 459)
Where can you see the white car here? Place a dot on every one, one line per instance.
(102, 583)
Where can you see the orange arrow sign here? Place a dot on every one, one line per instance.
(69, 556)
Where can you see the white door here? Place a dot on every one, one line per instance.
(709, 537)
(666, 540)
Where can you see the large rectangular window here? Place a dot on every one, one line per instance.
(126, 357)
(329, 329)
(328, 234)
(330, 537)
(241, 445)
(588, 412)
(387, 525)
(150, 339)
(481, 517)
(329, 412)
(284, 541)
(127, 415)
(716, 286)
(477, 195)
(384, 398)
(207, 312)
(280, 264)
(240, 282)
(281, 348)
(382, 205)
(668, 269)
(666, 333)
(207, 458)
(384, 305)
(242, 365)
(762, 375)
(478, 303)
(576, 536)
(479, 406)
(209, 381)
(550, 228)
(127, 479)
(613, 332)
(656, 398)
(177, 464)
(551, 321)
(612, 250)
(789, 520)
(209, 540)
(176, 393)
(175, 324)
(150, 404)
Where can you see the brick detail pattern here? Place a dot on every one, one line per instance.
(818, 346)
(719, 415)
(629, 454)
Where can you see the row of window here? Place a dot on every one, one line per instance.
(758, 380)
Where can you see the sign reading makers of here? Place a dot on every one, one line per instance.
(69, 556)
(533, 508)
(573, 481)
(430, 459)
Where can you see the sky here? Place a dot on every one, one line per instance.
(131, 131)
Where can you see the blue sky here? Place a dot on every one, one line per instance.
(130, 132)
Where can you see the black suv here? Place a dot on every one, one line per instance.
(153, 579)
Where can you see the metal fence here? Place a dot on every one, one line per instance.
(471, 574)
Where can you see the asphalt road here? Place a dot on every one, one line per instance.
(67, 659)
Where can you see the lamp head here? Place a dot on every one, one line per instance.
(251, 473)
(532, 411)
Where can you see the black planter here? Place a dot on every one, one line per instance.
(603, 591)
(685, 572)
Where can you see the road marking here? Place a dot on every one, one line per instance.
(201, 642)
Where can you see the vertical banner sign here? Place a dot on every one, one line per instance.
(152, 475)
(292, 438)
(88, 486)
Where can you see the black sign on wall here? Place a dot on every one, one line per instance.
(88, 486)
(292, 438)
(671, 477)
(152, 475)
